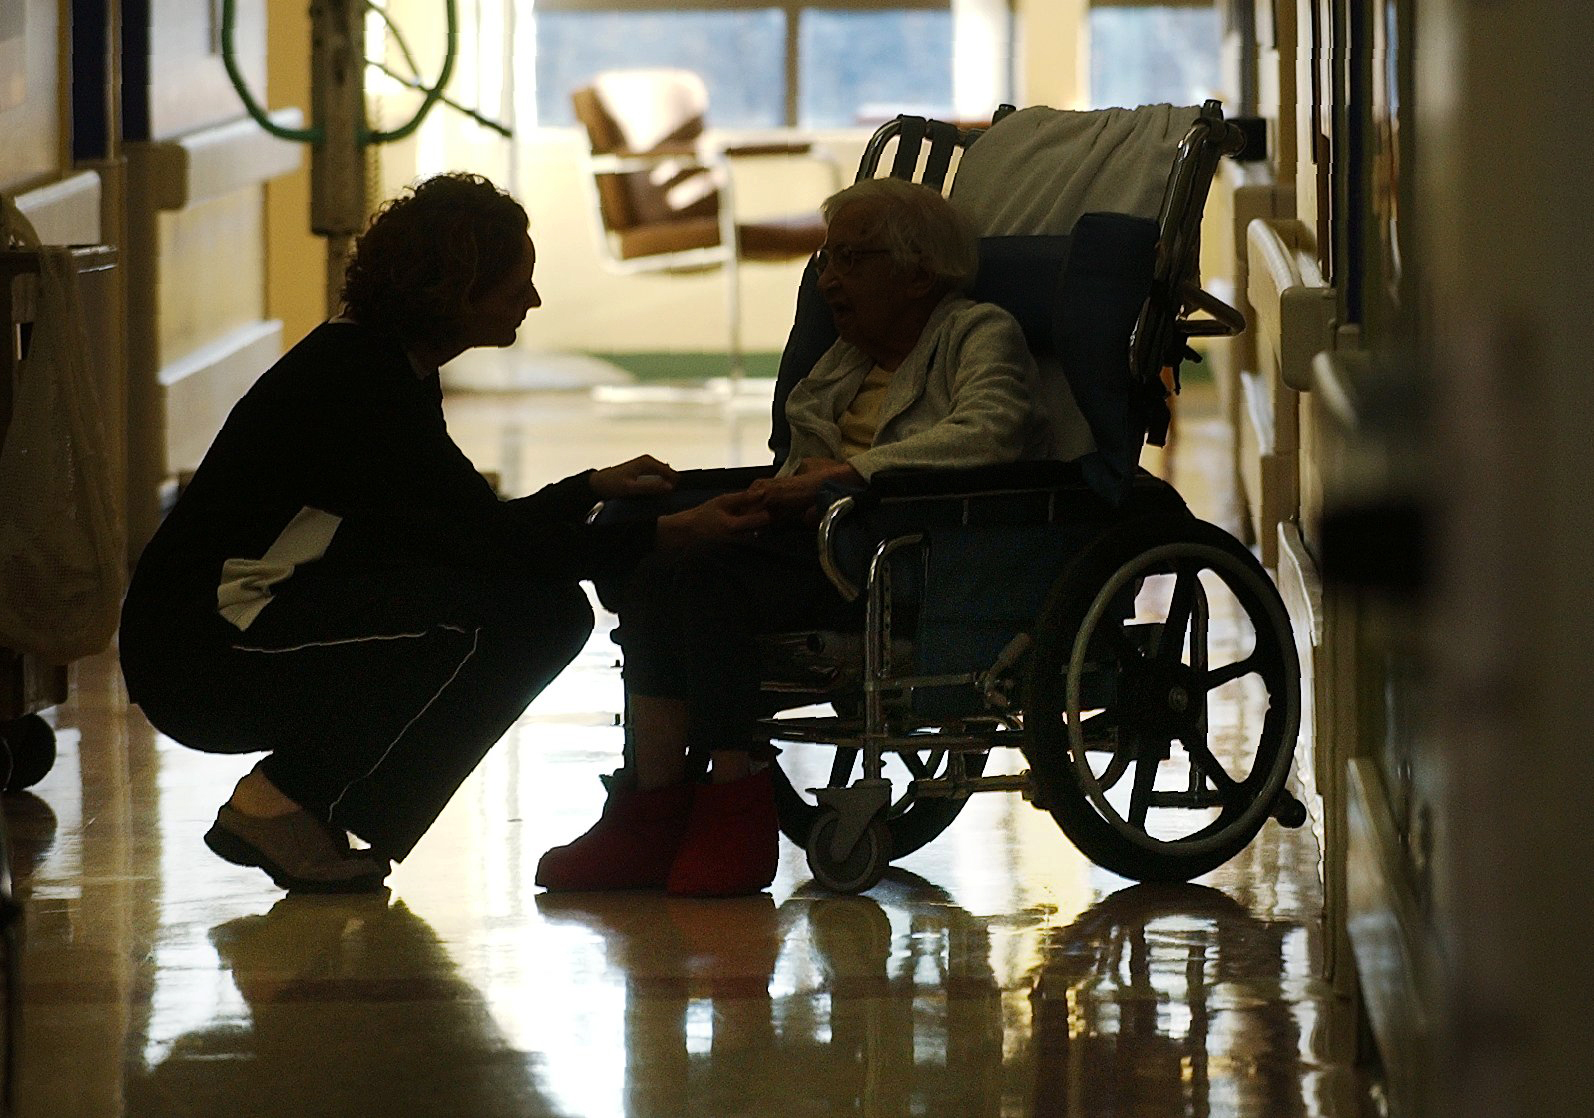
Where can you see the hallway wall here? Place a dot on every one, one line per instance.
(1506, 243)
(1429, 471)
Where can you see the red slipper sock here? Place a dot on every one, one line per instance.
(632, 846)
(732, 842)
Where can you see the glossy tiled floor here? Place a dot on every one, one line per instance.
(995, 972)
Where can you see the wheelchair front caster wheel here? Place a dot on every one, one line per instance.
(27, 751)
(863, 866)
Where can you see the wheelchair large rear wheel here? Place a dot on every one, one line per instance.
(1163, 699)
(911, 820)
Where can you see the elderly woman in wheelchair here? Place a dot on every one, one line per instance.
(920, 375)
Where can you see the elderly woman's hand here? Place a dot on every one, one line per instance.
(729, 514)
(796, 494)
(643, 476)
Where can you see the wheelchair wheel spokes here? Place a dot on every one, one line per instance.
(1140, 792)
(1163, 699)
(1185, 596)
(1181, 792)
(1100, 733)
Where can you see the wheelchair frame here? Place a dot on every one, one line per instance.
(856, 829)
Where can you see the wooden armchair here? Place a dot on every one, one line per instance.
(664, 203)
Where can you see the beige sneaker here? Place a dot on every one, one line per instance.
(301, 853)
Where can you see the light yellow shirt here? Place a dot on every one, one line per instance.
(862, 417)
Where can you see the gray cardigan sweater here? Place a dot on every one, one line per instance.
(961, 397)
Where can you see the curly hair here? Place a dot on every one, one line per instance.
(920, 227)
(428, 252)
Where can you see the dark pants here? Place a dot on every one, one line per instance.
(373, 698)
(689, 621)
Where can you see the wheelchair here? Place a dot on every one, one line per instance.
(1075, 610)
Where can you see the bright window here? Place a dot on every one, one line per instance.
(869, 66)
(1144, 54)
(847, 66)
(739, 53)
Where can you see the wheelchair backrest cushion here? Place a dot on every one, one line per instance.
(1076, 296)
(813, 331)
(1111, 264)
(1024, 276)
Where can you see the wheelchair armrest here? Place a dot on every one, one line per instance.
(857, 522)
(1011, 501)
(1011, 493)
(900, 485)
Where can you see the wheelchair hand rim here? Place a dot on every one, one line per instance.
(1228, 569)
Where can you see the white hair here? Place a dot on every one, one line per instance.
(918, 226)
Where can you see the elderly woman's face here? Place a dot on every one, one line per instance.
(495, 315)
(865, 292)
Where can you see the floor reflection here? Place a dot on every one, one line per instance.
(1157, 1001)
(819, 1005)
(347, 1004)
(30, 831)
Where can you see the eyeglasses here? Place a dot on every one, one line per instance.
(843, 258)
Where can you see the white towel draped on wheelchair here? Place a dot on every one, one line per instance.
(1044, 169)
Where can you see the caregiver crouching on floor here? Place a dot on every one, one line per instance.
(340, 589)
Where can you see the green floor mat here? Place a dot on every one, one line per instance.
(647, 367)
